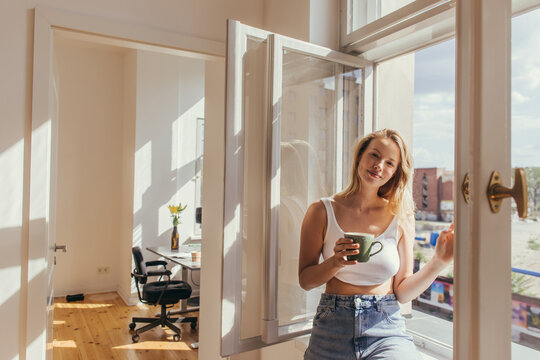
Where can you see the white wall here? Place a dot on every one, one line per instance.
(290, 18)
(128, 170)
(203, 18)
(170, 98)
(90, 85)
(324, 23)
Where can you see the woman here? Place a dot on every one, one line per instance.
(358, 315)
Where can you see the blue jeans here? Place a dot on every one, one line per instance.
(360, 327)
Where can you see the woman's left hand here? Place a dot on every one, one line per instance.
(444, 250)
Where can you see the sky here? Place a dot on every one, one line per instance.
(435, 91)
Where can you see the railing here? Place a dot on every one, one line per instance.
(526, 272)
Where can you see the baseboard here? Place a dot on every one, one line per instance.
(129, 299)
(66, 293)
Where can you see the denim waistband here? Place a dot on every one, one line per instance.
(357, 301)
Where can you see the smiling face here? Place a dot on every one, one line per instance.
(379, 162)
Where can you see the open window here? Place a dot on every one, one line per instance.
(379, 31)
(294, 110)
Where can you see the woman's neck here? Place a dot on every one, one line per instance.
(365, 198)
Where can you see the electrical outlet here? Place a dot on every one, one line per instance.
(102, 270)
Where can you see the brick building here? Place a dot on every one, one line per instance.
(433, 190)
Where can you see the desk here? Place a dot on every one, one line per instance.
(181, 257)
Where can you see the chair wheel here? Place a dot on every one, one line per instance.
(135, 338)
(132, 326)
(176, 337)
(193, 325)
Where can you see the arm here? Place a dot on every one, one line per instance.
(407, 285)
(311, 273)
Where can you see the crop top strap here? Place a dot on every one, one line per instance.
(332, 225)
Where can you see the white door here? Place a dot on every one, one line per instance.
(42, 247)
(289, 104)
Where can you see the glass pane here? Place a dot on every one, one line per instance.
(526, 154)
(319, 98)
(433, 185)
(367, 11)
(254, 68)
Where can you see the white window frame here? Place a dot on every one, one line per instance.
(199, 161)
(402, 32)
(238, 33)
(272, 331)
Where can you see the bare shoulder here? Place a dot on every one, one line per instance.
(312, 233)
(316, 213)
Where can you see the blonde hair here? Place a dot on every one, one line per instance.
(397, 190)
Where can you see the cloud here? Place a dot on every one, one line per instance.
(518, 98)
(526, 52)
(426, 157)
(434, 101)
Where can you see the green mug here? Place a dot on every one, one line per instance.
(366, 242)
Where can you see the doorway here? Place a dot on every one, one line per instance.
(129, 144)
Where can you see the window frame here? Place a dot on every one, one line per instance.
(380, 41)
(272, 331)
(231, 338)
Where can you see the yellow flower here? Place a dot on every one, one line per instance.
(176, 211)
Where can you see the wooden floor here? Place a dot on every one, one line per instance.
(98, 328)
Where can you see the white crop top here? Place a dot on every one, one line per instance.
(379, 268)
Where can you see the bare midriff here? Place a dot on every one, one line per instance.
(338, 287)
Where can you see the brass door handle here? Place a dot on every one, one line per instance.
(496, 192)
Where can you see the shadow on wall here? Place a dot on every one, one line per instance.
(147, 217)
(12, 302)
(170, 99)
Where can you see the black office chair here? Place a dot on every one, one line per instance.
(165, 293)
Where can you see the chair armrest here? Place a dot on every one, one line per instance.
(159, 273)
(138, 276)
(156, 263)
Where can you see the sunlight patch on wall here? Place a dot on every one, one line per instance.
(36, 267)
(184, 135)
(9, 288)
(227, 320)
(231, 230)
(143, 175)
(40, 172)
(11, 185)
(137, 235)
(37, 346)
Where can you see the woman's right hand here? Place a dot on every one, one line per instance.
(342, 249)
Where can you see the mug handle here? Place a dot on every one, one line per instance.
(378, 251)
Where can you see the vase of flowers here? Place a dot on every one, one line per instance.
(175, 214)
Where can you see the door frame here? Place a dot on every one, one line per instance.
(482, 238)
(44, 141)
